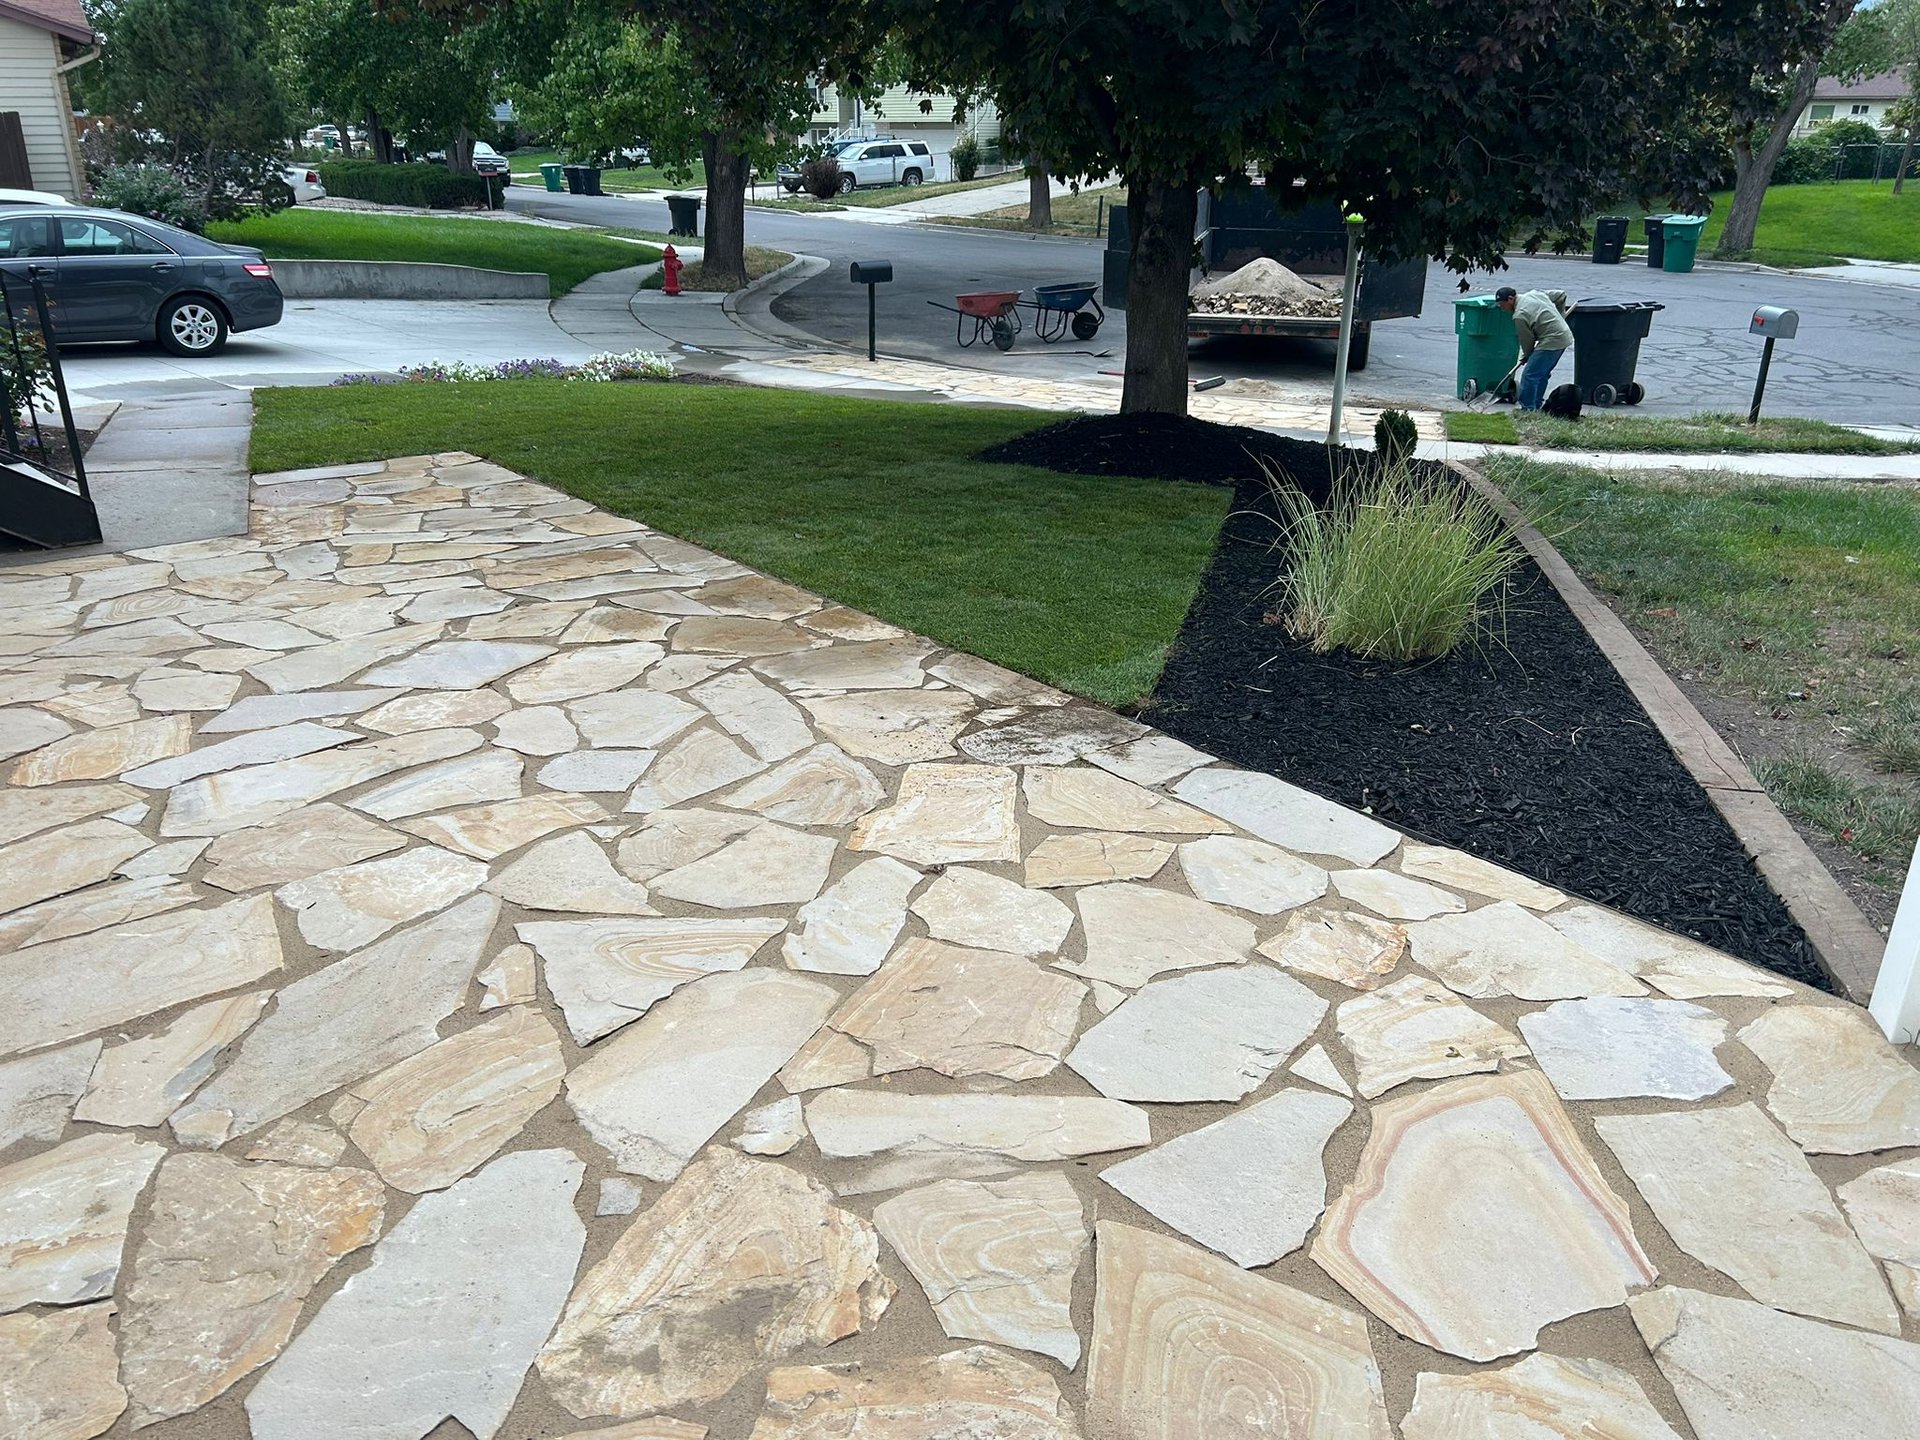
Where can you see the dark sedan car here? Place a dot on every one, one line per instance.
(114, 276)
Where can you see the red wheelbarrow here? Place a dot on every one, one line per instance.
(995, 315)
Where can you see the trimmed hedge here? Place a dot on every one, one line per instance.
(433, 186)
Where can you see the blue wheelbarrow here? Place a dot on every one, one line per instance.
(1058, 309)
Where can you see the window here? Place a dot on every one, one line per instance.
(886, 152)
(106, 237)
(1821, 113)
(1860, 112)
(917, 148)
(24, 237)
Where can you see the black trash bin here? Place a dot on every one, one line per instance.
(576, 179)
(1656, 241)
(685, 213)
(1606, 349)
(590, 180)
(1609, 239)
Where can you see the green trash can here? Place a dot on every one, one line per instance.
(1682, 236)
(550, 173)
(1487, 347)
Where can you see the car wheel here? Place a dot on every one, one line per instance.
(912, 177)
(192, 325)
(847, 183)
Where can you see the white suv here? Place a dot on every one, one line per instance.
(885, 162)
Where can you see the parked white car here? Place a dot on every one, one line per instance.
(882, 160)
(487, 160)
(31, 197)
(304, 181)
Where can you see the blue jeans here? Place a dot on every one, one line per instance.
(1534, 375)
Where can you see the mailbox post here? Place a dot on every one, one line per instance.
(1776, 324)
(870, 273)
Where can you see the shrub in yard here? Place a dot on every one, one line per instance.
(1394, 567)
(151, 190)
(966, 158)
(820, 176)
(432, 187)
(1394, 437)
(612, 365)
(26, 376)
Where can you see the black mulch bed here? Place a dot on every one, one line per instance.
(1529, 751)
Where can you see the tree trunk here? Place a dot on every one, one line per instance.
(1162, 215)
(460, 152)
(1039, 195)
(726, 238)
(1906, 159)
(346, 139)
(379, 138)
(1753, 169)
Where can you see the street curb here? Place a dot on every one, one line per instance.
(751, 308)
(1845, 943)
(404, 280)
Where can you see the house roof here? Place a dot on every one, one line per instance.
(1890, 86)
(62, 17)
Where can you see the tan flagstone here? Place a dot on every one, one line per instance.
(256, 747)
(96, 706)
(945, 814)
(853, 924)
(671, 838)
(1151, 760)
(823, 786)
(536, 730)
(185, 690)
(1395, 896)
(1135, 932)
(101, 753)
(1094, 857)
(508, 978)
(605, 973)
(300, 1142)
(993, 683)
(996, 1258)
(570, 873)
(1055, 736)
(680, 1310)
(188, 1331)
(457, 664)
(1544, 1397)
(37, 1093)
(24, 728)
(1745, 1370)
(696, 765)
(346, 908)
(64, 1215)
(843, 623)
(1414, 1029)
(758, 595)
(576, 674)
(770, 865)
(329, 664)
(1178, 1333)
(59, 861)
(972, 907)
(444, 1111)
(528, 622)
(1503, 949)
(1094, 800)
(773, 1128)
(658, 1091)
(1287, 815)
(310, 840)
(741, 635)
(601, 772)
(1356, 951)
(480, 776)
(1884, 1206)
(1317, 1067)
(144, 1080)
(1611, 1048)
(132, 971)
(1458, 870)
(853, 1124)
(1838, 1087)
(267, 712)
(755, 713)
(632, 719)
(894, 727)
(899, 1172)
(434, 710)
(1478, 1177)
(608, 624)
(1250, 875)
(849, 665)
(976, 1391)
(62, 1374)
(1672, 964)
(581, 565)
(489, 831)
(343, 1021)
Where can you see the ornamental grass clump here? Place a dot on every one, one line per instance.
(1395, 566)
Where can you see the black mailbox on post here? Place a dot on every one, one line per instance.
(870, 273)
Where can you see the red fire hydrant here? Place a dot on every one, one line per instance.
(671, 267)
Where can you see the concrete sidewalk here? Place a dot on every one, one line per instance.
(1901, 468)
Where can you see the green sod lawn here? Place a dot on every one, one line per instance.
(525, 168)
(1804, 225)
(566, 256)
(1707, 433)
(1078, 581)
(1082, 213)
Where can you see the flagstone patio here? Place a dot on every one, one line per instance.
(477, 966)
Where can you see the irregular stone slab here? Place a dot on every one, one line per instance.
(758, 595)
(570, 873)
(340, 1022)
(1056, 736)
(468, 780)
(971, 907)
(773, 1128)
(701, 763)
(681, 1310)
(849, 665)
(1670, 963)
(457, 665)
(853, 1124)
(1249, 1186)
(575, 674)
(1838, 1087)
(300, 1142)
(536, 730)
(64, 1216)
(945, 814)
(1287, 815)
(741, 635)
(96, 706)
(852, 926)
(62, 1374)
(940, 1007)
(1216, 1035)
(900, 1172)
(1249, 875)
(661, 1089)
(53, 863)
(1473, 1178)
(1502, 949)
(345, 908)
(25, 812)
(761, 717)
(618, 1196)
(267, 712)
(189, 1332)
(1610, 1049)
(894, 727)
(254, 748)
(319, 837)
(606, 973)
(1458, 870)
(132, 971)
(489, 831)
(1395, 896)
(435, 710)
(996, 1258)
(1356, 951)
(1544, 1397)
(185, 690)
(1177, 1332)
(508, 978)
(632, 719)
(142, 1081)
(1094, 800)
(769, 865)
(326, 665)
(1135, 932)
(101, 753)
(176, 857)
(24, 728)
(37, 1094)
(672, 838)
(444, 1111)
(1317, 1067)
(1415, 1030)
(387, 1358)
(976, 1391)
(1095, 858)
(1884, 1206)
(824, 786)
(1735, 1193)
(605, 624)
(602, 771)
(1748, 1372)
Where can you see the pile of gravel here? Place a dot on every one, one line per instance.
(1263, 287)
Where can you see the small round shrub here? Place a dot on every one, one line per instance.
(966, 158)
(820, 177)
(150, 190)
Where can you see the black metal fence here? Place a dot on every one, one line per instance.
(44, 498)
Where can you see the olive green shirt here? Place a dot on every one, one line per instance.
(1539, 319)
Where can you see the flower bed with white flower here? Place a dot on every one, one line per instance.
(610, 365)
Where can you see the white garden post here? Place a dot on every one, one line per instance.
(1896, 993)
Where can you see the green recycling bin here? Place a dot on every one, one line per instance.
(550, 173)
(1487, 347)
(1682, 236)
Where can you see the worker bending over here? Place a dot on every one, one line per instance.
(1540, 320)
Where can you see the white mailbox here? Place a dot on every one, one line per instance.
(1775, 323)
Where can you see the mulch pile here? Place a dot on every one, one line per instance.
(1527, 749)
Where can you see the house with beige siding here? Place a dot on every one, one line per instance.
(907, 113)
(41, 41)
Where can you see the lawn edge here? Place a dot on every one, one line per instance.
(1844, 941)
